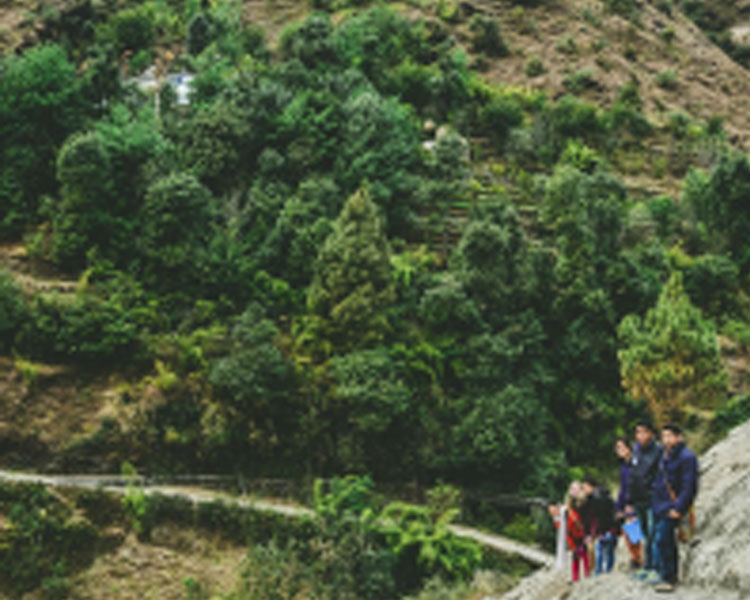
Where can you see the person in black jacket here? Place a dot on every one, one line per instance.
(644, 466)
(600, 524)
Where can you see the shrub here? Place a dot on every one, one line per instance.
(625, 8)
(13, 310)
(138, 507)
(449, 10)
(39, 535)
(535, 67)
(310, 41)
(666, 214)
(133, 28)
(580, 81)
(87, 329)
(667, 79)
(678, 124)
(200, 33)
(486, 36)
(626, 120)
(668, 34)
(735, 412)
(571, 117)
(499, 116)
(581, 157)
(566, 45)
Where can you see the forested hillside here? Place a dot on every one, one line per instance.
(467, 242)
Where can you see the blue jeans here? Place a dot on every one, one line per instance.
(605, 553)
(645, 516)
(666, 542)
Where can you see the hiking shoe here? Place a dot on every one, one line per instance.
(652, 578)
(664, 587)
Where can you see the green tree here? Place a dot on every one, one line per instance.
(352, 288)
(103, 175)
(302, 226)
(722, 203)
(671, 357)
(372, 401)
(494, 265)
(174, 231)
(253, 385)
(379, 145)
(40, 105)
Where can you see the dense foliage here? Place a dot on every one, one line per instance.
(278, 258)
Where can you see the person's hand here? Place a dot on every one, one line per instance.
(673, 514)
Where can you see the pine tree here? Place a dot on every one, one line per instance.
(671, 357)
(352, 286)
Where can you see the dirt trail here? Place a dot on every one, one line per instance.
(33, 278)
(116, 484)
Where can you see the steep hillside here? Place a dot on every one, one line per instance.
(575, 36)
(568, 36)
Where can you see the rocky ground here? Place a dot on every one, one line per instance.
(715, 567)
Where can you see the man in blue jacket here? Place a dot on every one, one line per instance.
(675, 489)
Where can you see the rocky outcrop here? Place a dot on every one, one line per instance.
(716, 566)
(721, 556)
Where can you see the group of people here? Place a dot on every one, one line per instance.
(658, 486)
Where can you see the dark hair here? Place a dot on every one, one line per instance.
(589, 479)
(646, 424)
(622, 439)
(673, 427)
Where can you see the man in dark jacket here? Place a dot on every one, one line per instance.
(675, 489)
(644, 465)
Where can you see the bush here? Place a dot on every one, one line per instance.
(499, 116)
(625, 8)
(87, 329)
(581, 157)
(486, 36)
(580, 81)
(735, 412)
(13, 310)
(39, 536)
(667, 79)
(626, 120)
(310, 41)
(573, 118)
(200, 33)
(535, 67)
(567, 45)
(140, 513)
(133, 28)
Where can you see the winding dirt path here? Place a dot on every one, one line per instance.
(117, 484)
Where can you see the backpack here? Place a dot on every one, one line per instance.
(606, 511)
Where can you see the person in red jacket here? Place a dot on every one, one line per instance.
(575, 534)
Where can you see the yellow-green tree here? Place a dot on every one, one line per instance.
(671, 357)
(352, 287)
